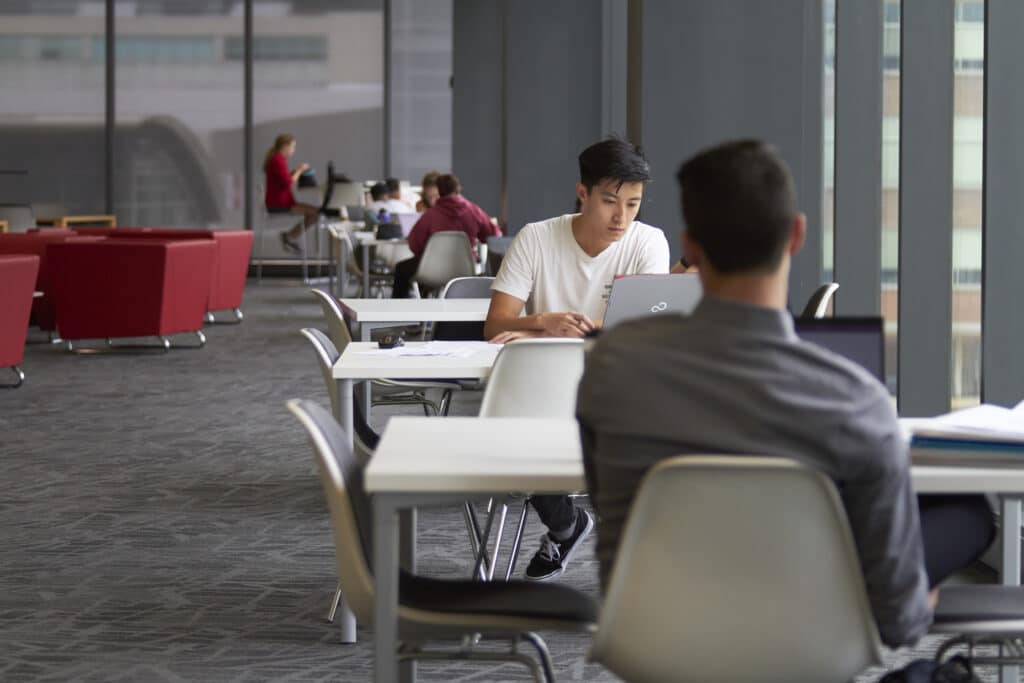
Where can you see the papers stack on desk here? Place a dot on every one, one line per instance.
(448, 349)
(985, 434)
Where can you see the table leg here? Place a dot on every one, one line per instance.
(366, 271)
(341, 269)
(385, 571)
(1010, 529)
(365, 332)
(346, 619)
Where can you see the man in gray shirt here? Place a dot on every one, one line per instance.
(733, 377)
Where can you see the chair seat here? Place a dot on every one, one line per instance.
(980, 609)
(512, 598)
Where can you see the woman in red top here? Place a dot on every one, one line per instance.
(279, 198)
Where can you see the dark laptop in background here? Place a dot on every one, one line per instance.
(861, 340)
(636, 296)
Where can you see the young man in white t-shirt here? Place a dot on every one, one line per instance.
(560, 270)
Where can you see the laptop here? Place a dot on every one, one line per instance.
(861, 340)
(637, 296)
(406, 220)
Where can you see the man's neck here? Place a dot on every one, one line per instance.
(584, 233)
(768, 290)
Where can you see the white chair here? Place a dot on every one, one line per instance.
(817, 305)
(530, 378)
(736, 569)
(392, 392)
(475, 287)
(448, 255)
(432, 609)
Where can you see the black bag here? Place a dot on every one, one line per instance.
(954, 670)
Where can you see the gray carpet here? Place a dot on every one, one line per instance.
(160, 518)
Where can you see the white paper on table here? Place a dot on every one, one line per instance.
(446, 349)
(985, 422)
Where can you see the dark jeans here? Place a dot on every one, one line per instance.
(556, 512)
(956, 531)
(405, 271)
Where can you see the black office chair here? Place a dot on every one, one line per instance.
(469, 287)
(817, 305)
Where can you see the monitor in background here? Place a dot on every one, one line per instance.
(861, 340)
(636, 296)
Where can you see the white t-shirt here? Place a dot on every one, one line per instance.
(545, 266)
(392, 206)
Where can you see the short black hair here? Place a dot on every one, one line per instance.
(613, 159)
(448, 184)
(378, 191)
(738, 205)
(393, 184)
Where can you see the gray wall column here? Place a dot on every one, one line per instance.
(1002, 328)
(926, 207)
(715, 71)
(476, 101)
(614, 51)
(858, 160)
(554, 109)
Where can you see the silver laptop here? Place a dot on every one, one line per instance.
(636, 296)
(406, 220)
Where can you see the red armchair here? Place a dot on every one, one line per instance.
(229, 269)
(130, 287)
(43, 312)
(18, 273)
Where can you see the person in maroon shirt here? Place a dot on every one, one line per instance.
(279, 197)
(451, 211)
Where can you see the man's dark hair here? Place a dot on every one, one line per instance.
(393, 185)
(448, 184)
(378, 191)
(738, 205)
(615, 160)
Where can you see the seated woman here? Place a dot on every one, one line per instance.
(279, 198)
(428, 191)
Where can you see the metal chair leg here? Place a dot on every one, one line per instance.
(19, 374)
(517, 541)
(473, 529)
(497, 542)
(542, 651)
(334, 605)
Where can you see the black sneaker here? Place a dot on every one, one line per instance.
(553, 556)
(290, 246)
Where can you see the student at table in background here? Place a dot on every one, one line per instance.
(279, 197)
(394, 186)
(733, 377)
(451, 211)
(382, 201)
(428, 191)
(561, 270)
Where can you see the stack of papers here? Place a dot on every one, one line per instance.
(986, 432)
(444, 349)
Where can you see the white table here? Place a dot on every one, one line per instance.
(371, 314)
(424, 461)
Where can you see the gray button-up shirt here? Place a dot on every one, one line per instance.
(735, 378)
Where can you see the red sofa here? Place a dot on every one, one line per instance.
(18, 275)
(130, 287)
(43, 313)
(230, 266)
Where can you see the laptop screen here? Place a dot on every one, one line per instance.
(860, 340)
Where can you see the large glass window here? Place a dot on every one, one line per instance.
(891, 187)
(328, 93)
(180, 117)
(968, 168)
(52, 107)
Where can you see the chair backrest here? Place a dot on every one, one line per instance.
(18, 216)
(448, 255)
(327, 355)
(817, 305)
(342, 477)
(474, 287)
(337, 328)
(534, 378)
(736, 569)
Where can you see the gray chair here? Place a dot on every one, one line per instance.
(474, 287)
(19, 217)
(817, 305)
(736, 569)
(496, 248)
(433, 609)
(364, 438)
(389, 392)
(448, 255)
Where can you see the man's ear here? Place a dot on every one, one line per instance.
(692, 252)
(581, 192)
(797, 234)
